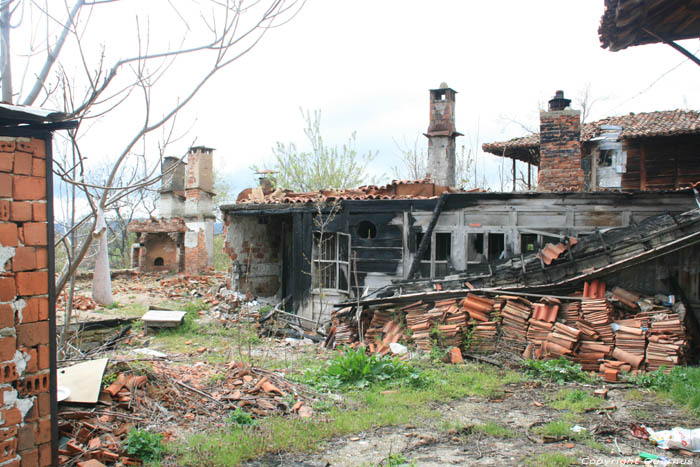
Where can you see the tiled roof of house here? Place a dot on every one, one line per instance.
(640, 125)
(162, 225)
(397, 189)
(636, 22)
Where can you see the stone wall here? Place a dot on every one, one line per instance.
(25, 376)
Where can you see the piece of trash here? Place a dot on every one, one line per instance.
(653, 457)
(577, 429)
(676, 438)
(639, 431)
(397, 349)
(62, 393)
(355, 438)
(151, 352)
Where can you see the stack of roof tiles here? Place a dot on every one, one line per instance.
(516, 314)
(667, 341)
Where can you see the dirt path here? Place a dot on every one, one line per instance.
(434, 443)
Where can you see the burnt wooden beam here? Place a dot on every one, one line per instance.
(682, 50)
(425, 241)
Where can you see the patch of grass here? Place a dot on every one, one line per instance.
(595, 445)
(554, 429)
(239, 417)
(560, 370)
(575, 400)
(635, 395)
(493, 429)
(144, 444)
(680, 384)
(364, 409)
(552, 459)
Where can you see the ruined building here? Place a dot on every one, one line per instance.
(320, 248)
(182, 238)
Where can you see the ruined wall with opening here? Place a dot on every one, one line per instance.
(161, 252)
(25, 376)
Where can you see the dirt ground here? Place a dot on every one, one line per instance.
(430, 445)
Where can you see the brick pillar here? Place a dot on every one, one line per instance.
(26, 379)
(441, 136)
(560, 147)
(199, 211)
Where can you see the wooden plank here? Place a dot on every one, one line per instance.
(642, 167)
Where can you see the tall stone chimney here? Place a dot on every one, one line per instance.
(560, 147)
(199, 210)
(441, 136)
(171, 202)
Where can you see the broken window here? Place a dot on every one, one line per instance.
(483, 247)
(437, 264)
(331, 261)
(528, 243)
(605, 158)
(475, 248)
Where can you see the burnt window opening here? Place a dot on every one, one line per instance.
(366, 229)
(475, 248)
(497, 246)
(158, 261)
(435, 262)
(605, 158)
(528, 243)
(485, 247)
(331, 253)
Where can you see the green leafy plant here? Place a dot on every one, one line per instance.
(239, 418)
(560, 370)
(355, 369)
(144, 444)
(680, 384)
(575, 400)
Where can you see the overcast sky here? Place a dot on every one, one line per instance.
(368, 66)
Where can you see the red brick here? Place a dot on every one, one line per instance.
(38, 167)
(8, 449)
(24, 259)
(8, 234)
(7, 315)
(5, 185)
(8, 346)
(45, 455)
(32, 334)
(28, 188)
(32, 364)
(35, 233)
(8, 291)
(42, 258)
(42, 303)
(4, 210)
(6, 161)
(43, 357)
(39, 212)
(44, 401)
(11, 416)
(26, 437)
(8, 374)
(38, 148)
(29, 458)
(7, 433)
(23, 163)
(24, 145)
(32, 283)
(21, 211)
(44, 431)
(30, 312)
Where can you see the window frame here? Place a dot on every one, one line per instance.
(432, 261)
(337, 262)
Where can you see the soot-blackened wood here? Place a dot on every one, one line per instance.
(423, 247)
(297, 260)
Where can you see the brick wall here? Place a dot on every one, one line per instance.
(560, 151)
(25, 377)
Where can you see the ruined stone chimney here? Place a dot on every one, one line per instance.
(171, 201)
(441, 136)
(199, 210)
(560, 147)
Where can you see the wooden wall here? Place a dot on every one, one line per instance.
(661, 163)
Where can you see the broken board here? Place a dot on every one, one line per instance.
(162, 318)
(83, 380)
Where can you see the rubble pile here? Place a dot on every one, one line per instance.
(168, 397)
(604, 331)
(80, 302)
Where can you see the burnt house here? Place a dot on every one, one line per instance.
(643, 151)
(182, 238)
(320, 248)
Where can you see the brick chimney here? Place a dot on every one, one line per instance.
(171, 201)
(441, 136)
(199, 210)
(560, 147)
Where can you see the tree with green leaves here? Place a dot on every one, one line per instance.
(322, 166)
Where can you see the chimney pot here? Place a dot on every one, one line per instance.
(558, 102)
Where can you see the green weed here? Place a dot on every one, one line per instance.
(493, 429)
(554, 429)
(560, 370)
(680, 384)
(575, 400)
(552, 459)
(239, 418)
(144, 444)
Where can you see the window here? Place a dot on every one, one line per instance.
(158, 261)
(528, 243)
(435, 261)
(484, 247)
(331, 252)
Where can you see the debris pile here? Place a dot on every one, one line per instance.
(604, 331)
(170, 397)
(80, 302)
